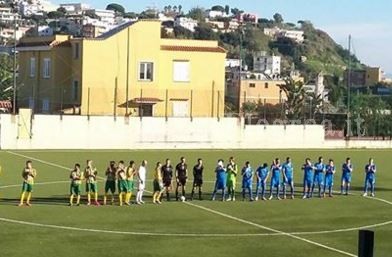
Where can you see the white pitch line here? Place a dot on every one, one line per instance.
(230, 235)
(272, 230)
(38, 160)
(379, 199)
(130, 232)
(44, 162)
(222, 214)
(342, 230)
(210, 150)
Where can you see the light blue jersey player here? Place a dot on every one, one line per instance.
(247, 180)
(262, 173)
(370, 179)
(347, 170)
(220, 183)
(308, 178)
(288, 177)
(329, 176)
(318, 178)
(276, 169)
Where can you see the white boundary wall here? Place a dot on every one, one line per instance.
(77, 132)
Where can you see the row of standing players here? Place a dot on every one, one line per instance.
(315, 175)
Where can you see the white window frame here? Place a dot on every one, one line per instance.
(46, 69)
(33, 67)
(145, 63)
(181, 77)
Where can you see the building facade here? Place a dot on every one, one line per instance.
(7, 16)
(270, 65)
(368, 77)
(254, 90)
(130, 70)
(187, 23)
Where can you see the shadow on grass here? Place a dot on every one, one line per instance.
(58, 200)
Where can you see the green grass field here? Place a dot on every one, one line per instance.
(295, 228)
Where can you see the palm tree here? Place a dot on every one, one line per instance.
(296, 96)
(180, 9)
(6, 77)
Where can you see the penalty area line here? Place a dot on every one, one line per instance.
(271, 230)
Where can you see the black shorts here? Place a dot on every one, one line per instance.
(167, 182)
(181, 181)
(198, 182)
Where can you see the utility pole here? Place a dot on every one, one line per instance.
(240, 74)
(348, 134)
(14, 67)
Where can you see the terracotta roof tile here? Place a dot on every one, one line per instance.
(45, 43)
(193, 49)
(6, 104)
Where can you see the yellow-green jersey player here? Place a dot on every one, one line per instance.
(157, 184)
(76, 177)
(28, 174)
(122, 183)
(130, 173)
(110, 184)
(90, 174)
(0, 170)
(232, 171)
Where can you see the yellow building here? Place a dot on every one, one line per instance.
(374, 75)
(253, 90)
(129, 70)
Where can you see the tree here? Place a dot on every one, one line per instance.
(62, 10)
(218, 8)
(92, 14)
(278, 18)
(6, 77)
(180, 8)
(249, 107)
(236, 11)
(147, 15)
(40, 19)
(336, 89)
(227, 9)
(175, 8)
(368, 115)
(197, 14)
(263, 21)
(130, 15)
(205, 32)
(183, 33)
(296, 96)
(231, 38)
(55, 15)
(255, 40)
(291, 24)
(119, 9)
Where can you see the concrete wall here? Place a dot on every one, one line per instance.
(77, 132)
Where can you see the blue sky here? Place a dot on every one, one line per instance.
(368, 21)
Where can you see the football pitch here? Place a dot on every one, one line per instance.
(296, 228)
